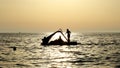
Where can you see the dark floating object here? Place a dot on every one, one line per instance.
(59, 41)
(14, 48)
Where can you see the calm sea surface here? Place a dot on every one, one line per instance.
(97, 50)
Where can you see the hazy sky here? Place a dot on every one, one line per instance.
(50, 15)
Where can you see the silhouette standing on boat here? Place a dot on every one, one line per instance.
(59, 41)
(68, 35)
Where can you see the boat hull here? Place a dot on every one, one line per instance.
(63, 43)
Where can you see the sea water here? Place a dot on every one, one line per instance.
(96, 50)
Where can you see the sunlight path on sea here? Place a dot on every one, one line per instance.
(31, 54)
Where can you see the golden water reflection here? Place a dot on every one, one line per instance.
(30, 54)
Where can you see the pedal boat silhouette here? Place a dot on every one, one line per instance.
(59, 41)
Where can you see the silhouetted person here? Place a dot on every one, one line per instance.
(68, 35)
(45, 40)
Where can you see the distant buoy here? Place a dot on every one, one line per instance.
(14, 48)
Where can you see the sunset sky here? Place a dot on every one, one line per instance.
(50, 15)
